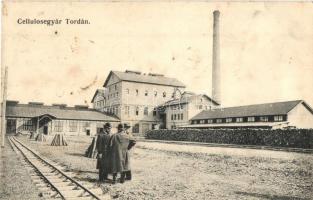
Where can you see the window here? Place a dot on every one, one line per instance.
(154, 112)
(278, 118)
(229, 120)
(86, 125)
(182, 116)
(137, 111)
(27, 125)
(115, 87)
(127, 91)
(116, 94)
(239, 119)
(202, 121)
(263, 119)
(251, 119)
(164, 94)
(174, 116)
(178, 116)
(218, 120)
(137, 92)
(126, 110)
(210, 121)
(58, 126)
(146, 93)
(145, 111)
(73, 126)
(155, 93)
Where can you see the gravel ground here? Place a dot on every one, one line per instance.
(170, 171)
(15, 182)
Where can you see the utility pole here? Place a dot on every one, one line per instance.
(4, 81)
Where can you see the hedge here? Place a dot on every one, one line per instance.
(296, 138)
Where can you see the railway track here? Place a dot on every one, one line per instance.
(286, 149)
(52, 180)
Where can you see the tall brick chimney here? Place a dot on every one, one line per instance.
(216, 70)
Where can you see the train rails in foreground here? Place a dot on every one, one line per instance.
(52, 180)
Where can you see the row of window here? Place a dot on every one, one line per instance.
(276, 118)
(99, 104)
(73, 126)
(179, 116)
(137, 111)
(146, 93)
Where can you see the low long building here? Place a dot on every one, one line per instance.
(58, 118)
(289, 114)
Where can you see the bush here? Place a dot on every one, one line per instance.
(296, 138)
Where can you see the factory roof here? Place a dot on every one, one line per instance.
(134, 76)
(277, 108)
(68, 113)
(187, 99)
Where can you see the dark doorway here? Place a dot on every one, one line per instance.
(45, 130)
(11, 126)
(88, 132)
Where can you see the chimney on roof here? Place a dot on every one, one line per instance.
(11, 103)
(153, 74)
(81, 107)
(133, 72)
(35, 103)
(216, 70)
(59, 105)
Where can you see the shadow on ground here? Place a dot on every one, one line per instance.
(268, 196)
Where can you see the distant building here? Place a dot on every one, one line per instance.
(58, 118)
(98, 100)
(134, 97)
(289, 114)
(183, 107)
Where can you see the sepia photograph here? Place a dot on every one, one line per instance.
(156, 100)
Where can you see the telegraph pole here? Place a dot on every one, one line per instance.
(3, 108)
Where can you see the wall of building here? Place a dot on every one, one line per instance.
(99, 102)
(300, 117)
(67, 127)
(154, 96)
(194, 107)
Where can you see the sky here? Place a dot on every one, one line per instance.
(266, 49)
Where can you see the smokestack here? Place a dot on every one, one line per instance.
(216, 70)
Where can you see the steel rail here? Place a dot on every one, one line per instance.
(58, 170)
(36, 169)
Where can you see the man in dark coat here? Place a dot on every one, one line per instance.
(119, 153)
(132, 143)
(102, 146)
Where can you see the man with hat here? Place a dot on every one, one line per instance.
(119, 152)
(103, 148)
(132, 143)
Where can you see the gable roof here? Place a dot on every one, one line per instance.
(101, 91)
(69, 113)
(141, 78)
(187, 99)
(277, 108)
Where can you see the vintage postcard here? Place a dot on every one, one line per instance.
(156, 100)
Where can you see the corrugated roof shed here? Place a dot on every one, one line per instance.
(141, 78)
(24, 110)
(277, 108)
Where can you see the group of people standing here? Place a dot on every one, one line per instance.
(113, 153)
